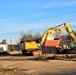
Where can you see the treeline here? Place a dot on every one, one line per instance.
(3, 41)
(28, 35)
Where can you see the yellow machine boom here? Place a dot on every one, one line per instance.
(57, 29)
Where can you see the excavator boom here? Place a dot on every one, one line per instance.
(57, 29)
(70, 31)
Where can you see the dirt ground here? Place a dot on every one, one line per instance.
(27, 65)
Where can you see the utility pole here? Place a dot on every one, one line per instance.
(11, 43)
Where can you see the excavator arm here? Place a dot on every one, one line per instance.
(70, 31)
(57, 29)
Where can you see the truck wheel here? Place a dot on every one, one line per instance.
(33, 53)
(24, 52)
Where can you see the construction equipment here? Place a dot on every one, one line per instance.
(60, 49)
(30, 46)
(41, 44)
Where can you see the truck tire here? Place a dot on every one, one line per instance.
(24, 52)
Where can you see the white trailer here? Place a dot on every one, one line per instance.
(3, 48)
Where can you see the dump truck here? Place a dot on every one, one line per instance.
(48, 46)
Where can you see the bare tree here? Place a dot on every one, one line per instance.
(58, 34)
(23, 36)
(4, 41)
(29, 35)
(37, 35)
(26, 36)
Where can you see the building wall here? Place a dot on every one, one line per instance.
(13, 47)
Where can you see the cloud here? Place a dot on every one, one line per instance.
(5, 20)
(35, 26)
(60, 4)
(38, 4)
(24, 27)
(20, 4)
(16, 25)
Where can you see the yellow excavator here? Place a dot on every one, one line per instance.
(39, 44)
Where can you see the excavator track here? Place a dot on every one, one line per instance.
(70, 57)
(12, 56)
(65, 57)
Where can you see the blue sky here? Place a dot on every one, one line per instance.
(39, 15)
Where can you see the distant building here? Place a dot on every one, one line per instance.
(13, 47)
